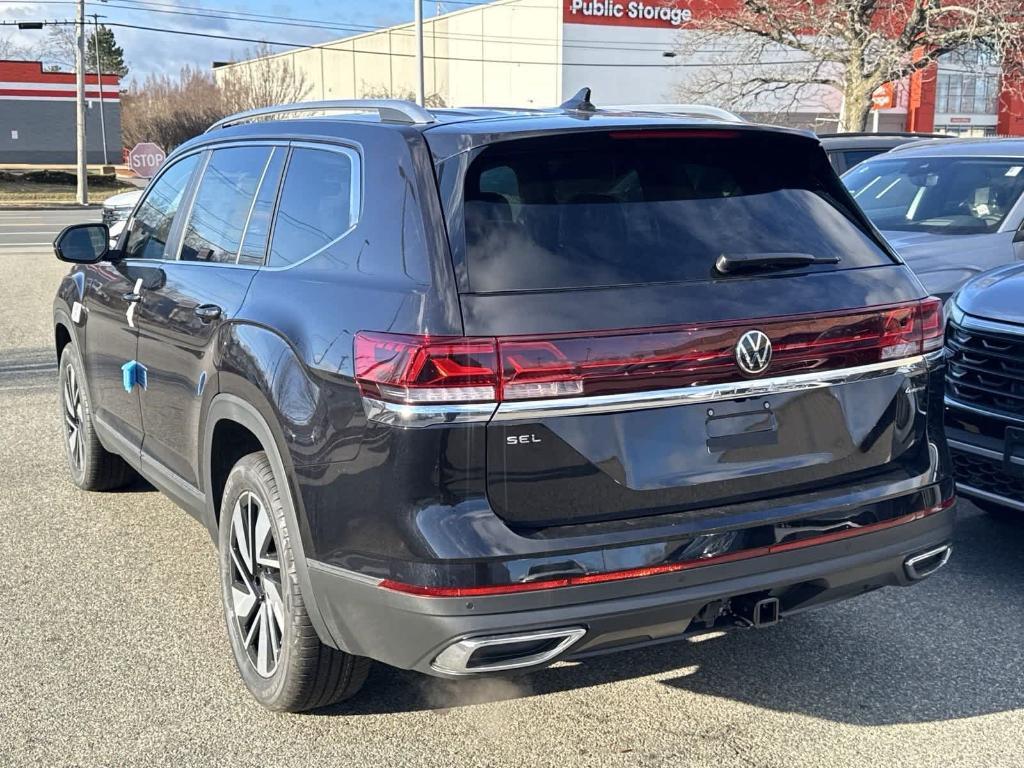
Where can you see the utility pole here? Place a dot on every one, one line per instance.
(420, 87)
(99, 83)
(83, 184)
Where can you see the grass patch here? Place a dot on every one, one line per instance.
(38, 187)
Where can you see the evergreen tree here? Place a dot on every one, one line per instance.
(111, 54)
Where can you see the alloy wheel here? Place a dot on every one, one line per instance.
(256, 595)
(72, 398)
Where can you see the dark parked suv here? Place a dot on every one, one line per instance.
(468, 391)
(985, 390)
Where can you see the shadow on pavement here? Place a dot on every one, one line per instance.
(28, 370)
(948, 648)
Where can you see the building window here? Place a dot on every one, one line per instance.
(971, 56)
(966, 93)
(966, 131)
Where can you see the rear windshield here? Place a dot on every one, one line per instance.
(660, 206)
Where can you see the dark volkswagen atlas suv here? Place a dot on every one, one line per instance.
(469, 391)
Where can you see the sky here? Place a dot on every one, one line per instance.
(149, 51)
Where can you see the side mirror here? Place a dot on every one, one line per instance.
(83, 243)
(1018, 236)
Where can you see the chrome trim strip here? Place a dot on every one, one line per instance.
(942, 551)
(988, 453)
(404, 415)
(355, 197)
(666, 398)
(999, 415)
(344, 573)
(971, 323)
(1006, 501)
(454, 660)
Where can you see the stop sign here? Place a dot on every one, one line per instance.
(145, 159)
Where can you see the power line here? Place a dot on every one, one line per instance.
(354, 29)
(478, 60)
(358, 29)
(153, 6)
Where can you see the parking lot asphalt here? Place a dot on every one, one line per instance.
(113, 650)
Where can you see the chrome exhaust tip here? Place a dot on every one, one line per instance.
(928, 562)
(499, 653)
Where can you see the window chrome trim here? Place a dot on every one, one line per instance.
(174, 159)
(252, 207)
(710, 393)
(355, 195)
(404, 415)
(182, 230)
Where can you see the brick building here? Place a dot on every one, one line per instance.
(37, 115)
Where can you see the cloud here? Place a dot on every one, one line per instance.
(150, 50)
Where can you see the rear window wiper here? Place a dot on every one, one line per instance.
(731, 263)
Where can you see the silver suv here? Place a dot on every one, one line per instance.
(951, 209)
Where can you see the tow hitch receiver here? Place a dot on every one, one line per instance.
(763, 612)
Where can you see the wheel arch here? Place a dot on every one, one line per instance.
(61, 336)
(241, 420)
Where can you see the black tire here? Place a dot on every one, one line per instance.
(303, 673)
(92, 467)
(1001, 513)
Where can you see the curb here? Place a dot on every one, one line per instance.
(44, 206)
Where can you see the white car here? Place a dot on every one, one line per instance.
(116, 211)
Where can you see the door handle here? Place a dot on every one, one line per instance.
(131, 296)
(208, 312)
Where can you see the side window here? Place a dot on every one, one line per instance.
(151, 226)
(856, 157)
(222, 204)
(254, 244)
(317, 204)
(501, 183)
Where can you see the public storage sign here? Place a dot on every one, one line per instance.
(631, 13)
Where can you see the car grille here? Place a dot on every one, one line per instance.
(986, 369)
(110, 215)
(986, 475)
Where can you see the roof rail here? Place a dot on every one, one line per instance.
(389, 110)
(692, 110)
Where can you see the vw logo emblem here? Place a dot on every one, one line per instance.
(753, 352)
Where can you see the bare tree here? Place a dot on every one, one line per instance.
(431, 100)
(170, 110)
(769, 55)
(57, 50)
(264, 81)
(10, 49)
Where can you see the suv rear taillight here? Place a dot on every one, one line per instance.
(423, 369)
(420, 369)
(932, 316)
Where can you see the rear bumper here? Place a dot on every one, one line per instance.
(410, 631)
